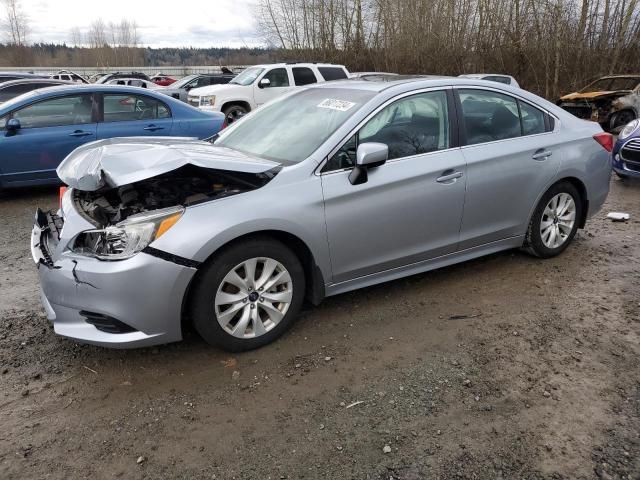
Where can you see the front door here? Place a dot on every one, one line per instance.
(133, 115)
(279, 83)
(49, 131)
(410, 208)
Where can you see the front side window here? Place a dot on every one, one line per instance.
(489, 116)
(71, 110)
(410, 126)
(290, 129)
(303, 76)
(126, 107)
(278, 77)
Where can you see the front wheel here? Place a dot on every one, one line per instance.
(233, 113)
(248, 295)
(555, 221)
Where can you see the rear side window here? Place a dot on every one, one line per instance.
(533, 120)
(489, 116)
(126, 108)
(332, 73)
(72, 110)
(303, 76)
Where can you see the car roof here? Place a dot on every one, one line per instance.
(22, 74)
(407, 81)
(630, 75)
(480, 75)
(298, 64)
(23, 81)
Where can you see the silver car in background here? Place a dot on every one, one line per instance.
(332, 188)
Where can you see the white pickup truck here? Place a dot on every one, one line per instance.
(259, 84)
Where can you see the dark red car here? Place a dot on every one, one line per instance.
(162, 80)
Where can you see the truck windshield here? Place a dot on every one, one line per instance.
(289, 130)
(247, 77)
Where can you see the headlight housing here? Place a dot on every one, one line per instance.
(127, 238)
(629, 128)
(207, 100)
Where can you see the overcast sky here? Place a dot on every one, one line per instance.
(161, 23)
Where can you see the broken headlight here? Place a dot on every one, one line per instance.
(127, 238)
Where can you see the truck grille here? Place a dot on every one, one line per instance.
(630, 152)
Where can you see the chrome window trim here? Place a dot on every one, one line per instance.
(318, 170)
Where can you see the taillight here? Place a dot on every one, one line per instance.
(224, 124)
(61, 194)
(604, 139)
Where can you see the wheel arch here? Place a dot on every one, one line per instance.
(582, 190)
(241, 103)
(314, 279)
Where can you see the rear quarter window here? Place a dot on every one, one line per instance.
(332, 73)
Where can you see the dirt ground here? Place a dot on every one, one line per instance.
(501, 368)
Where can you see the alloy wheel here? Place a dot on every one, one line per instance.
(253, 297)
(557, 221)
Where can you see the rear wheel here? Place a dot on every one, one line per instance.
(555, 221)
(234, 112)
(248, 295)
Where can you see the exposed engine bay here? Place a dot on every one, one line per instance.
(188, 185)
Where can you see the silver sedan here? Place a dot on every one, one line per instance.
(326, 190)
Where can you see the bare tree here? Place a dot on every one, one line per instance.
(16, 23)
(76, 37)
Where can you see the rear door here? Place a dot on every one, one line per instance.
(512, 154)
(133, 115)
(410, 208)
(50, 130)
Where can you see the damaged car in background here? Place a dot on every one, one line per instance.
(612, 101)
(328, 189)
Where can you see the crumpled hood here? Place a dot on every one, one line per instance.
(592, 95)
(122, 161)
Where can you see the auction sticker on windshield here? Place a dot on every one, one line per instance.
(333, 104)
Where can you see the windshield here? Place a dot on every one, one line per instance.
(248, 76)
(611, 84)
(292, 128)
(183, 81)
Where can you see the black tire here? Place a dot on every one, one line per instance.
(533, 242)
(620, 119)
(233, 113)
(211, 277)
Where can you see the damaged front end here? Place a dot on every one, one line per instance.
(611, 109)
(130, 217)
(102, 281)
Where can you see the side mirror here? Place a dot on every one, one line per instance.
(368, 155)
(264, 83)
(13, 125)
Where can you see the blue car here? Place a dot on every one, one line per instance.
(39, 129)
(626, 151)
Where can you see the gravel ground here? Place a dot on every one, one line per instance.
(504, 367)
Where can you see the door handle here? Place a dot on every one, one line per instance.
(153, 128)
(80, 133)
(541, 154)
(449, 176)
